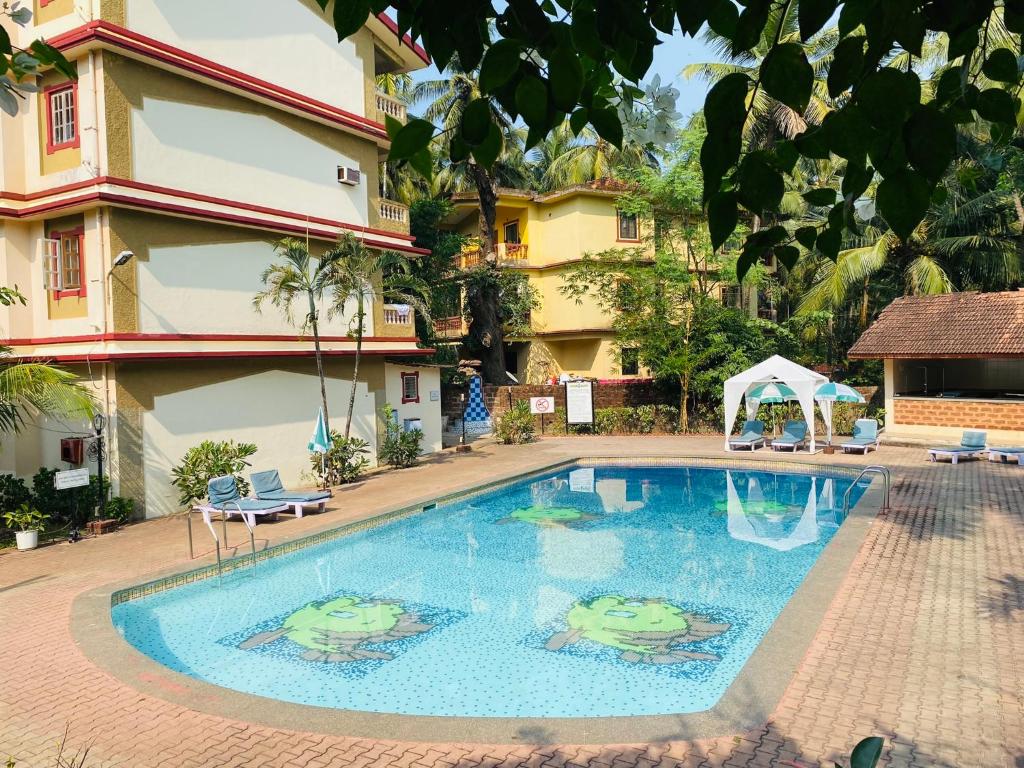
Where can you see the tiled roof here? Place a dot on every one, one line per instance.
(951, 325)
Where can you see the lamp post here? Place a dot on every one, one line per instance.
(99, 421)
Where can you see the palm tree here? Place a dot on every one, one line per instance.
(360, 273)
(38, 389)
(300, 276)
(564, 159)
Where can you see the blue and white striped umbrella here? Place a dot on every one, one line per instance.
(772, 392)
(838, 393)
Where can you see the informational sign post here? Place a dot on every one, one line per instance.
(579, 402)
(543, 406)
(71, 478)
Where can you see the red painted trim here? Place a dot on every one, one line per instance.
(78, 292)
(393, 26)
(150, 48)
(415, 375)
(46, 340)
(116, 356)
(158, 189)
(48, 93)
(200, 213)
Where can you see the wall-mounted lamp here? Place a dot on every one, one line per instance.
(123, 258)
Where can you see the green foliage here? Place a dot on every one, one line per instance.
(119, 508)
(343, 463)
(31, 389)
(13, 492)
(25, 518)
(516, 425)
(206, 461)
(19, 67)
(398, 448)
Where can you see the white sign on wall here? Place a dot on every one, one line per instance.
(542, 405)
(71, 478)
(579, 402)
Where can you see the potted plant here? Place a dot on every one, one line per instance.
(28, 520)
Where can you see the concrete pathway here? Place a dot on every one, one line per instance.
(923, 644)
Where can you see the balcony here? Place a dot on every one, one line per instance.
(506, 255)
(392, 216)
(389, 106)
(397, 320)
(450, 327)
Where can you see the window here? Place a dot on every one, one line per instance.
(512, 232)
(630, 362)
(730, 295)
(411, 387)
(628, 227)
(61, 117)
(62, 263)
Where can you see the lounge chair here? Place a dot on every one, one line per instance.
(972, 444)
(224, 498)
(1005, 455)
(794, 435)
(268, 487)
(865, 437)
(751, 436)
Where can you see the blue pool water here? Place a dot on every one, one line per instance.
(599, 591)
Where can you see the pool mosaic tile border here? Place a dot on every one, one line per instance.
(232, 564)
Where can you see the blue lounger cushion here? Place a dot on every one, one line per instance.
(794, 432)
(223, 494)
(268, 485)
(972, 441)
(752, 431)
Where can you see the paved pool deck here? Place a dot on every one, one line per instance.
(922, 644)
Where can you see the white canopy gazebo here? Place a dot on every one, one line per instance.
(801, 380)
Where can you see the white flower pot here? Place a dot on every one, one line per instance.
(27, 539)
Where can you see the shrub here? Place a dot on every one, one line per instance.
(119, 508)
(667, 419)
(399, 448)
(643, 419)
(206, 461)
(516, 426)
(343, 463)
(13, 492)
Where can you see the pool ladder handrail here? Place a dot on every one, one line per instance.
(877, 469)
(224, 527)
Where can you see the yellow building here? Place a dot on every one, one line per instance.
(140, 204)
(541, 234)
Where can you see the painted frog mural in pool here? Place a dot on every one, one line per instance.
(646, 631)
(339, 630)
(548, 516)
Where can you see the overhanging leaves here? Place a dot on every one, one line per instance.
(903, 201)
(787, 75)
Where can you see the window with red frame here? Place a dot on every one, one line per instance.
(63, 263)
(61, 116)
(411, 387)
(628, 229)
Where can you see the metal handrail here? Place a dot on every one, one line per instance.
(224, 528)
(878, 469)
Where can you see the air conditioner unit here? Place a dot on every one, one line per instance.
(71, 450)
(349, 176)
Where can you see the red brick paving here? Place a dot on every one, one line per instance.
(923, 644)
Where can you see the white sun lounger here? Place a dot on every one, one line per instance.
(972, 444)
(1006, 455)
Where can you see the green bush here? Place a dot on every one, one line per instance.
(667, 419)
(399, 448)
(644, 417)
(206, 461)
(343, 463)
(13, 492)
(119, 508)
(516, 425)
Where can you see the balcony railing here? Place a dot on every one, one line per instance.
(393, 216)
(506, 255)
(398, 314)
(450, 327)
(389, 106)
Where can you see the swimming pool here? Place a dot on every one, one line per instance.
(595, 591)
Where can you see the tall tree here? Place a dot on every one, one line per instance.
(301, 277)
(455, 104)
(360, 274)
(565, 159)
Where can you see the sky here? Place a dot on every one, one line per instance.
(669, 59)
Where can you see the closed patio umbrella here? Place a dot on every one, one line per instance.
(834, 392)
(320, 442)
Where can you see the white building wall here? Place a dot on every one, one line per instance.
(290, 44)
(209, 288)
(427, 409)
(241, 156)
(274, 409)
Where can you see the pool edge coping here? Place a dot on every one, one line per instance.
(746, 704)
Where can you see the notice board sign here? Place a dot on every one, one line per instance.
(71, 478)
(542, 405)
(579, 402)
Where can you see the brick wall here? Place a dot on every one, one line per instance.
(951, 412)
(614, 395)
